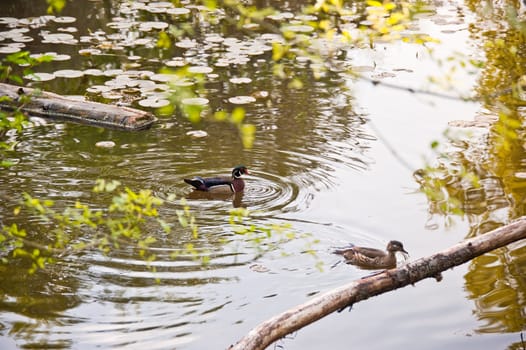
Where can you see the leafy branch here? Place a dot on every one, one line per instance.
(127, 221)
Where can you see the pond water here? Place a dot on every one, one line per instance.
(334, 160)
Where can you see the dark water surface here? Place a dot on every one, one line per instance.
(318, 164)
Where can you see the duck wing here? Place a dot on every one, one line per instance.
(198, 182)
(369, 252)
(217, 181)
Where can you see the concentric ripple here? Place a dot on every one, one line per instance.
(271, 193)
(264, 193)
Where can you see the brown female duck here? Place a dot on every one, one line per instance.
(371, 258)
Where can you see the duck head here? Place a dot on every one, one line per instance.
(396, 246)
(238, 171)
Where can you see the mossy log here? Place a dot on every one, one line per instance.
(34, 102)
(345, 296)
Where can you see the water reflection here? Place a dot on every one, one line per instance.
(304, 136)
(496, 155)
(495, 283)
(235, 198)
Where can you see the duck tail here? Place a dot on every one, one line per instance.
(342, 250)
(196, 182)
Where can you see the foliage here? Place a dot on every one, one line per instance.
(331, 22)
(15, 119)
(269, 237)
(447, 182)
(483, 171)
(55, 6)
(125, 222)
(20, 59)
(131, 220)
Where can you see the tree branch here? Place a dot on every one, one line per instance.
(302, 315)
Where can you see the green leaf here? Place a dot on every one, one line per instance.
(6, 163)
(55, 6)
(238, 114)
(164, 41)
(248, 132)
(220, 116)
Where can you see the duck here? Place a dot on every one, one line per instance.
(221, 184)
(372, 258)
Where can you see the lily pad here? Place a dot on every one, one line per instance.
(58, 38)
(23, 39)
(64, 19)
(186, 44)
(197, 133)
(241, 100)
(121, 24)
(147, 26)
(68, 30)
(178, 11)
(105, 144)
(301, 28)
(242, 80)
(154, 102)
(214, 38)
(195, 101)
(61, 57)
(69, 73)
(10, 49)
(40, 76)
(94, 72)
(176, 62)
(97, 89)
(200, 70)
(113, 72)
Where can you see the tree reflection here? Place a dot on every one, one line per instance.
(484, 178)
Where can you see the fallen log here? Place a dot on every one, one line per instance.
(34, 102)
(345, 296)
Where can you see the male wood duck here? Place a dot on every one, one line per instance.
(371, 258)
(224, 184)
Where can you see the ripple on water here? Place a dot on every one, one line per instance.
(270, 193)
(264, 192)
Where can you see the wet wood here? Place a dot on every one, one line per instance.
(345, 296)
(49, 105)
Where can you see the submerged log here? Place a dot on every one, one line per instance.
(34, 102)
(345, 296)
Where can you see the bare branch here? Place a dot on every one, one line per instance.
(302, 315)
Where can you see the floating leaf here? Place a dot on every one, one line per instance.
(68, 73)
(178, 11)
(200, 69)
(240, 100)
(240, 80)
(195, 101)
(64, 19)
(197, 133)
(40, 76)
(105, 144)
(154, 102)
